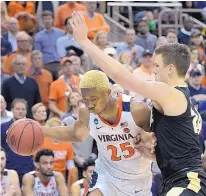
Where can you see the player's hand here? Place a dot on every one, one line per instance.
(79, 27)
(14, 191)
(145, 139)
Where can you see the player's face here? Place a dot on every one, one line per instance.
(95, 100)
(46, 165)
(161, 71)
(88, 173)
(19, 110)
(40, 114)
(3, 160)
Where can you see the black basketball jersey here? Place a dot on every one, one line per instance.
(178, 144)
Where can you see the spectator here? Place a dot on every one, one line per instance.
(80, 188)
(5, 46)
(125, 59)
(95, 21)
(145, 71)
(130, 46)
(13, 28)
(191, 5)
(42, 6)
(144, 37)
(171, 36)
(76, 52)
(39, 113)
(65, 11)
(148, 16)
(197, 92)
(101, 40)
(42, 76)
(111, 52)
(197, 40)
(63, 154)
(44, 181)
(45, 41)
(185, 32)
(21, 164)
(74, 102)
(66, 40)
(161, 41)
(194, 60)
(25, 13)
(9, 178)
(20, 86)
(116, 90)
(3, 75)
(5, 114)
(23, 48)
(61, 88)
(4, 17)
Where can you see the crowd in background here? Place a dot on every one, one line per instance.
(42, 65)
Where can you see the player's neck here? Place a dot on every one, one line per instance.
(110, 113)
(177, 81)
(44, 179)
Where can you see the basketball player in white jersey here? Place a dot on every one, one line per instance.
(44, 181)
(9, 179)
(80, 188)
(113, 122)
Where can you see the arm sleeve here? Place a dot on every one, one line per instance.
(53, 92)
(37, 43)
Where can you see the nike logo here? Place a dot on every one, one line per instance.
(138, 191)
(99, 127)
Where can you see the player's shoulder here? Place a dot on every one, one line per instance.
(58, 175)
(29, 177)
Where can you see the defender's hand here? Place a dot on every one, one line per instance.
(79, 27)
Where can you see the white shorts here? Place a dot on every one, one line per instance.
(111, 186)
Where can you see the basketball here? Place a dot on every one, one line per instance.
(25, 137)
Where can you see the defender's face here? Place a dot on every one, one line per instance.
(160, 71)
(95, 100)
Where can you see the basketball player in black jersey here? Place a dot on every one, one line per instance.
(176, 123)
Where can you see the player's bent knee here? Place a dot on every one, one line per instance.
(95, 192)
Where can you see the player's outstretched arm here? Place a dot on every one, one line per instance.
(77, 133)
(27, 185)
(156, 91)
(61, 184)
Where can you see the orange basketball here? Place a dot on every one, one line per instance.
(25, 137)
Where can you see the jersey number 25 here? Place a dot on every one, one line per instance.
(126, 151)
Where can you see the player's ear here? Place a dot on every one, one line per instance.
(84, 175)
(171, 68)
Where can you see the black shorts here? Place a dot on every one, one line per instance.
(186, 182)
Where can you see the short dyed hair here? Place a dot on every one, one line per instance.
(176, 54)
(95, 79)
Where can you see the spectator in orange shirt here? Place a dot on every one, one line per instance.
(61, 88)
(41, 75)
(23, 48)
(95, 21)
(65, 11)
(64, 155)
(24, 12)
(39, 113)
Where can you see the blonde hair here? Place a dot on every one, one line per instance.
(96, 38)
(36, 106)
(95, 79)
(51, 121)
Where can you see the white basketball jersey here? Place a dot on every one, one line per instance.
(117, 155)
(40, 189)
(4, 183)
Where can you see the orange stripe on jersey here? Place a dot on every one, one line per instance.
(118, 117)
